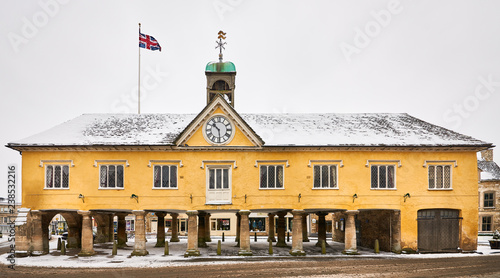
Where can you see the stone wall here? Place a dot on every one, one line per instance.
(490, 186)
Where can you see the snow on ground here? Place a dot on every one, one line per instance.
(156, 257)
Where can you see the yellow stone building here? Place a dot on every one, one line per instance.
(406, 182)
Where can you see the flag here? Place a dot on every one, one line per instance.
(148, 42)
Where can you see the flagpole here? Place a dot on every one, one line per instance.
(139, 80)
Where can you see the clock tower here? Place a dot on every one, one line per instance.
(221, 75)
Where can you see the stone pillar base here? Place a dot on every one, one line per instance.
(160, 244)
(297, 253)
(121, 245)
(22, 254)
(244, 253)
(281, 244)
(350, 252)
(139, 253)
(190, 253)
(174, 239)
(202, 243)
(318, 244)
(86, 254)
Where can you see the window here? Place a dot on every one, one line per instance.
(57, 176)
(218, 178)
(489, 200)
(165, 176)
(221, 224)
(486, 224)
(271, 176)
(257, 224)
(325, 176)
(111, 176)
(383, 177)
(439, 177)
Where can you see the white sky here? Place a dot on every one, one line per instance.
(61, 59)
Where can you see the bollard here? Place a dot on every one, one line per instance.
(270, 247)
(219, 248)
(288, 237)
(59, 244)
(377, 247)
(222, 236)
(255, 237)
(63, 248)
(115, 248)
(166, 248)
(323, 247)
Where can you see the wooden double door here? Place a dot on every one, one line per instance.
(438, 230)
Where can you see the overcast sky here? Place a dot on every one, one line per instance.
(436, 60)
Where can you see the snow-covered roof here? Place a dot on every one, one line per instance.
(489, 170)
(380, 129)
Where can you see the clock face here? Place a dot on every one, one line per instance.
(218, 129)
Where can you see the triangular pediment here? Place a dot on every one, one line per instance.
(218, 125)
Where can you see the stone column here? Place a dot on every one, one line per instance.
(192, 246)
(207, 228)
(244, 234)
(321, 228)
(111, 228)
(271, 236)
(175, 229)
(201, 230)
(281, 229)
(396, 232)
(305, 234)
(140, 234)
(121, 233)
(74, 236)
(160, 233)
(102, 227)
(87, 235)
(336, 232)
(297, 246)
(350, 233)
(39, 238)
(238, 229)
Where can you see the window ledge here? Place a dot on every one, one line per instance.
(488, 207)
(440, 189)
(48, 188)
(325, 188)
(393, 189)
(113, 188)
(219, 203)
(271, 188)
(165, 188)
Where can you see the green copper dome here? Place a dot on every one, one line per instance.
(220, 67)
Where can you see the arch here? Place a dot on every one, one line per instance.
(220, 85)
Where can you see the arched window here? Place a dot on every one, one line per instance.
(220, 85)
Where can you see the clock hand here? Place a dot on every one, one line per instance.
(215, 125)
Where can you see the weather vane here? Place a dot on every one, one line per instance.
(220, 43)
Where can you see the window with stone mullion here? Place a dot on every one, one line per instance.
(325, 176)
(382, 177)
(57, 176)
(439, 177)
(271, 176)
